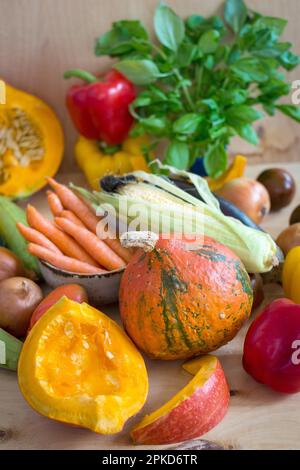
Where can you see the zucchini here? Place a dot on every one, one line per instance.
(10, 348)
(10, 214)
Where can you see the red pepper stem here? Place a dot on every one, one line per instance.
(83, 74)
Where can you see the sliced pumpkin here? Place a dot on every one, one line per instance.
(193, 411)
(31, 143)
(77, 366)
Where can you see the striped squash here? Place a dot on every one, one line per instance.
(176, 303)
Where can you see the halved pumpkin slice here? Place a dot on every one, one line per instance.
(31, 143)
(193, 411)
(77, 366)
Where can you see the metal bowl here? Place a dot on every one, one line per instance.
(101, 288)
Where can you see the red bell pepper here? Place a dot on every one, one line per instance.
(272, 347)
(100, 109)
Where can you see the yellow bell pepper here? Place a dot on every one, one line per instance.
(235, 170)
(291, 275)
(95, 163)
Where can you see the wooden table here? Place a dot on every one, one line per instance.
(257, 418)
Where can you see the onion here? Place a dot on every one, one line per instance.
(289, 238)
(19, 297)
(248, 195)
(10, 265)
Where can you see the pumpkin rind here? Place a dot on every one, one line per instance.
(77, 366)
(176, 303)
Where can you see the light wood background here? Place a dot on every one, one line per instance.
(39, 39)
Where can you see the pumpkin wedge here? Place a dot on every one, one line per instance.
(193, 411)
(78, 367)
(31, 143)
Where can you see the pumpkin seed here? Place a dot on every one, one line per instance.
(22, 137)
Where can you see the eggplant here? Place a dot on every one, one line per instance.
(226, 207)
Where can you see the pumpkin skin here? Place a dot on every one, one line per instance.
(176, 303)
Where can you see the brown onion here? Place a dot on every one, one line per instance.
(10, 264)
(248, 195)
(19, 297)
(289, 238)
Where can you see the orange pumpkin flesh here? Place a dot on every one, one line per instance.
(176, 303)
(77, 366)
(193, 411)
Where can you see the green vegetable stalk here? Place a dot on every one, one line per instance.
(10, 214)
(203, 79)
(10, 348)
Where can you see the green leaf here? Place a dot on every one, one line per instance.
(209, 41)
(187, 124)
(274, 89)
(272, 50)
(277, 25)
(194, 21)
(233, 96)
(139, 72)
(250, 69)
(154, 125)
(141, 101)
(290, 110)
(186, 54)
(211, 103)
(125, 37)
(247, 132)
(137, 130)
(169, 27)
(289, 60)
(215, 160)
(235, 14)
(242, 114)
(177, 154)
(209, 62)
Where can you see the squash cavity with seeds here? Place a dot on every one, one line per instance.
(31, 143)
(77, 366)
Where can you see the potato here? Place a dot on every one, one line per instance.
(19, 297)
(10, 265)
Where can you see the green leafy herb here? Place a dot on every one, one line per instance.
(169, 27)
(177, 155)
(235, 14)
(140, 72)
(202, 81)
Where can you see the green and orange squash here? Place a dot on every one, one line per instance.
(181, 299)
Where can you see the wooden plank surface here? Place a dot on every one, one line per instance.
(40, 39)
(257, 419)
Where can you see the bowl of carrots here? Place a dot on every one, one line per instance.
(73, 247)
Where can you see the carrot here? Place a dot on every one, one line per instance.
(65, 243)
(95, 247)
(63, 262)
(71, 216)
(72, 202)
(54, 203)
(75, 204)
(34, 236)
(113, 243)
